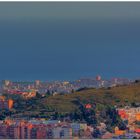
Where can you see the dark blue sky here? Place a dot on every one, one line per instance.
(56, 41)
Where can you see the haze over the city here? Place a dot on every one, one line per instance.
(56, 41)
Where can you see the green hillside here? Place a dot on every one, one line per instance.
(120, 96)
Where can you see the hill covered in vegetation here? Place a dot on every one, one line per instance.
(102, 98)
(115, 96)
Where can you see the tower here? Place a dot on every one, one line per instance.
(98, 77)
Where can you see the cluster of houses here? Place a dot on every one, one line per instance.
(27, 94)
(130, 115)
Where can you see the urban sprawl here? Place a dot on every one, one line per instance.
(124, 121)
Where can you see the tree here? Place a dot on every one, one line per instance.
(88, 115)
(48, 93)
(56, 116)
(122, 125)
(113, 119)
(38, 95)
(96, 133)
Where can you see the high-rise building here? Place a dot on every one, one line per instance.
(66, 132)
(11, 131)
(3, 130)
(6, 104)
(37, 83)
(10, 103)
(6, 82)
(41, 132)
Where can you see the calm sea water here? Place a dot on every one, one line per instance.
(60, 50)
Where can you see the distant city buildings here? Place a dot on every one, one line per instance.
(41, 129)
(27, 88)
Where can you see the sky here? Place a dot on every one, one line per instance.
(69, 40)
